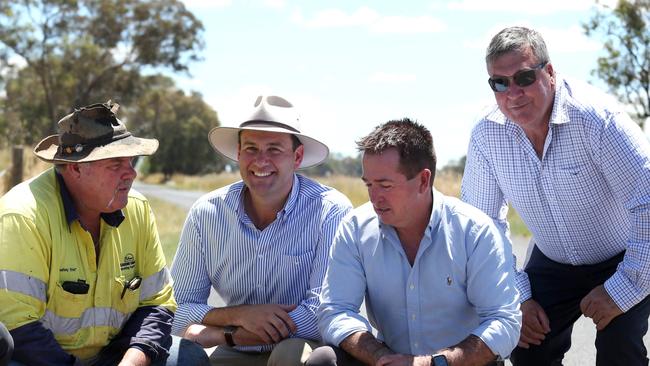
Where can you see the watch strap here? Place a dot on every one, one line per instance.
(228, 334)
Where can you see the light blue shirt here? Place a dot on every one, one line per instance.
(586, 200)
(461, 282)
(285, 263)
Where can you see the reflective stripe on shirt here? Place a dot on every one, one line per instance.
(154, 283)
(23, 284)
(91, 317)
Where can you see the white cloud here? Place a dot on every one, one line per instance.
(365, 17)
(385, 77)
(207, 4)
(275, 3)
(520, 6)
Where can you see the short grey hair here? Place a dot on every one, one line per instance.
(516, 39)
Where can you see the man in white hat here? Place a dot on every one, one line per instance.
(262, 243)
(82, 273)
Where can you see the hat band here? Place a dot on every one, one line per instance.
(77, 148)
(272, 123)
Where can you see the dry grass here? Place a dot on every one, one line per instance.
(32, 166)
(169, 220)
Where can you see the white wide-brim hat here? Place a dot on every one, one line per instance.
(272, 114)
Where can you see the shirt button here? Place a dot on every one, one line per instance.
(412, 286)
(416, 344)
(413, 316)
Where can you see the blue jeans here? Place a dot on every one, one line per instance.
(182, 352)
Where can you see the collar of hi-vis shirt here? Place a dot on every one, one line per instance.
(559, 114)
(114, 218)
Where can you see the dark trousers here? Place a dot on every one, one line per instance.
(335, 356)
(559, 288)
(6, 345)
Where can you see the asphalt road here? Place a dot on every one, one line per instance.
(582, 351)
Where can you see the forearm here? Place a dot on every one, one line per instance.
(365, 347)
(135, 357)
(209, 336)
(472, 351)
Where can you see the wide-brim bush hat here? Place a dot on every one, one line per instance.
(92, 133)
(273, 114)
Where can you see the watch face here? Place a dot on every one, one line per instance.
(439, 360)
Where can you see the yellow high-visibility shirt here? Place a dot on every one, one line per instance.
(40, 254)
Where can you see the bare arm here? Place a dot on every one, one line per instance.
(135, 357)
(472, 351)
(365, 347)
(264, 323)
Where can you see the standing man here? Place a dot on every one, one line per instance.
(261, 243)
(436, 272)
(577, 169)
(82, 273)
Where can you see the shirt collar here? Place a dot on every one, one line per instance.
(559, 114)
(113, 218)
(289, 205)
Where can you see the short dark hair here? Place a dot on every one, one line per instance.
(295, 141)
(412, 140)
(516, 39)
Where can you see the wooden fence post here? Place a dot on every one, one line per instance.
(16, 165)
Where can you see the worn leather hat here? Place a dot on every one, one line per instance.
(92, 133)
(273, 114)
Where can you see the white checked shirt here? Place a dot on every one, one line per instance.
(283, 264)
(586, 200)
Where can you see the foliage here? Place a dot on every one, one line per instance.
(180, 123)
(58, 54)
(625, 67)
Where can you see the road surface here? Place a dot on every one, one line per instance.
(582, 351)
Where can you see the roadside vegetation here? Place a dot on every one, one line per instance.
(170, 218)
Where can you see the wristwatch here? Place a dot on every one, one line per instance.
(228, 332)
(439, 360)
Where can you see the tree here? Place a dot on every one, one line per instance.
(626, 64)
(75, 52)
(180, 123)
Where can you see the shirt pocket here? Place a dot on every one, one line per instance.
(66, 304)
(294, 270)
(127, 301)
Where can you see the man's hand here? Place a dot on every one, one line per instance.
(270, 322)
(600, 307)
(205, 335)
(403, 360)
(134, 357)
(535, 324)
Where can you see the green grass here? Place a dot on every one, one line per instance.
(169, 219)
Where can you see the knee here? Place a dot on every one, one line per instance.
(6, 345)
(187, 353)
(291, 351)
(322, 356)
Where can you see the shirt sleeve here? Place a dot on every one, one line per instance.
(344, 288)
(304, 315)
(480, 189)
(191, 280)
(491, 289)
(34, 345)
(624, 155)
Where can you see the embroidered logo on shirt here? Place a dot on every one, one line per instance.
(129, 262)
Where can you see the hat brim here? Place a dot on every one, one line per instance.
(48, 150)
(225, 140)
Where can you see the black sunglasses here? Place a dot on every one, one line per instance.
(521, 78)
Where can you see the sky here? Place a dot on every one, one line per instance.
(348, 65)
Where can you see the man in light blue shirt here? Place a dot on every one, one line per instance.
(435, 272)
(576, 168)
(261, 243)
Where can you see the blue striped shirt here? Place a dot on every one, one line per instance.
(285, 263)
(586, 200)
